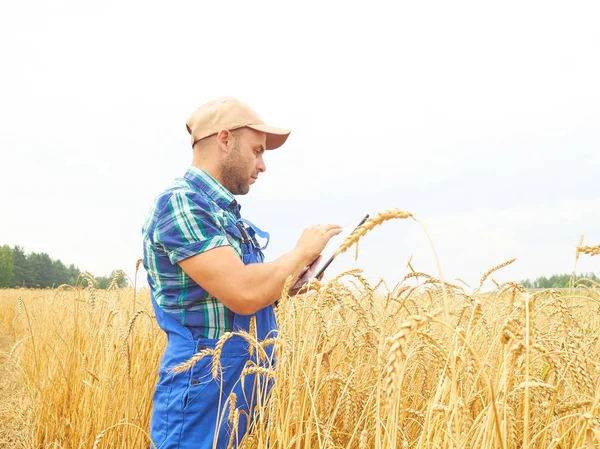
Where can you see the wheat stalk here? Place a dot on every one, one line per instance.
(115, 279)
(188, 364)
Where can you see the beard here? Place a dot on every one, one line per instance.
(235, 173)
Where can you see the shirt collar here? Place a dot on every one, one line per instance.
(209, 185)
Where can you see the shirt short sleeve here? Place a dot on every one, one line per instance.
(186, 226)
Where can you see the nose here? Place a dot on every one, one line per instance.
(260, 165)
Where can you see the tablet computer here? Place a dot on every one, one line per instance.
(329, 252)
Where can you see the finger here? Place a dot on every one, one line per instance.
(333, 232)
(329, 227)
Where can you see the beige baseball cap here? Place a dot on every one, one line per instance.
(229, 113)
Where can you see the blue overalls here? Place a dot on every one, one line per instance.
(190, 410)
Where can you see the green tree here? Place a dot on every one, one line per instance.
(72, 273)
(560, 281)
(103, 282)
(39, 270)
(46, 271)
(34, 266)
(7, 266)
(60, 273)
(21, 267)
(542, 282)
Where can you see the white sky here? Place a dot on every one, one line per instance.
(483, 120)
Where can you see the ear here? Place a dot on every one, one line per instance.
(224, 140)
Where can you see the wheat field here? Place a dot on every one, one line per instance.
(422, 365)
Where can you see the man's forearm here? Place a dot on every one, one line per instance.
(265, 281)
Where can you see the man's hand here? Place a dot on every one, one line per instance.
(314, 239)
(309, 273)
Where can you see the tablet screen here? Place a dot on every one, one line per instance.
(328, 253)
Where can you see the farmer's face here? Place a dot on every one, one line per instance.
(243, 163)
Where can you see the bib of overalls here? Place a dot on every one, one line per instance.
(190, 409)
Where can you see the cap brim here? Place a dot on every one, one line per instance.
(275, 136)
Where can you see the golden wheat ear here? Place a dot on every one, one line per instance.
(368, 225)
(589, 250)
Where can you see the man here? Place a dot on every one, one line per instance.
(205, 270)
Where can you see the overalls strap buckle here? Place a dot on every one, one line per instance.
(242, 229)
(254, 231)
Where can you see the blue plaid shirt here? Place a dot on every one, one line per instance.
(189, 218)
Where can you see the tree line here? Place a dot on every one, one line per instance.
(39, 270)
(560, 281)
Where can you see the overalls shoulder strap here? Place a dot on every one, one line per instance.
(254, 230)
